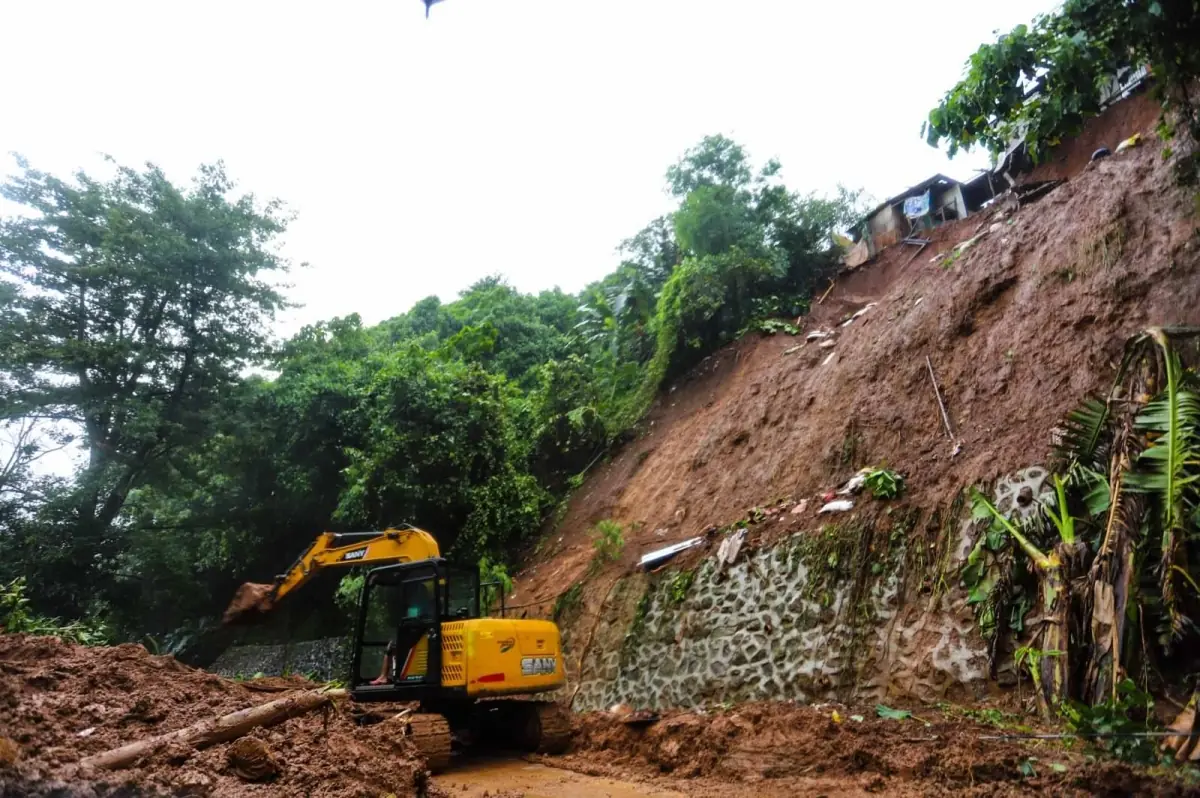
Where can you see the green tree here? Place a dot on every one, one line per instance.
(135, 305)
(1039, 83)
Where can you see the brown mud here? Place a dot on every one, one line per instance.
(251, 599)
(1020, 327)
(60, 703)
(779, 749)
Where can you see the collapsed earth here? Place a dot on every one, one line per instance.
(809, 496)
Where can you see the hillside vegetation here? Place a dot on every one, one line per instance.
(134, 311)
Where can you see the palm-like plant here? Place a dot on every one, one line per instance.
(1111, 552)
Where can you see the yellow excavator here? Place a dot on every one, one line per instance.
(422, 636)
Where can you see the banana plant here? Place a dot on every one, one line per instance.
(1132, 460)
(1050, 673)
(1168, 469)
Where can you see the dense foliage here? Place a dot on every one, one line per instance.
(134, 316)
(1095, 585)
(1039, 83)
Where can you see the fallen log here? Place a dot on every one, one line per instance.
(215, 730)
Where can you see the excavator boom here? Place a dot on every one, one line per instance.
(333, 550)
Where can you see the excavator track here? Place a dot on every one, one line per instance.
(535, 726)
(431, 735)
(546, 728)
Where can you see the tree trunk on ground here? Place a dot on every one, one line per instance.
(215, 730)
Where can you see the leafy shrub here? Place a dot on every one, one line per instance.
(1040, 82)
(16, 617)
(681, 583)
(608, 540)
(349, 593)
(1117, 721)
(884, 483)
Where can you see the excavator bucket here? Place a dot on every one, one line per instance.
(251, 599)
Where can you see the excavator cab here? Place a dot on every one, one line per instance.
(399, 622)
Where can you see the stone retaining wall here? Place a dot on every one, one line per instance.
(864, 608)
(321, 659)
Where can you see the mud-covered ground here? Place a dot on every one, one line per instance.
(1019, 327)
(60, 703)
(779, 749)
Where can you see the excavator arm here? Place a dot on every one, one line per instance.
(334, 550)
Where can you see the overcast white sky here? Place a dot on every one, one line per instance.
(521, 137)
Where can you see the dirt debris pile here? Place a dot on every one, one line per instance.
(1019, 328)
(250, 600)
(788, 749)
(60, 703)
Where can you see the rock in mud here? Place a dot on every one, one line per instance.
(252, 759)
(9, 753)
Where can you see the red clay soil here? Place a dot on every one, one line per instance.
(1137, 113)
(251, 598)
(774, 749)
(1020, 327)
(60, 703)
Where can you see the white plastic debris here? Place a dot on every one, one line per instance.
(800, 507)
(828, 344)
(88, 732)
(863, 310)
(662, 555)
(817, 335)
(728, 551)
(855, 483)
(838, 506)
(830, 359)
(970, 242)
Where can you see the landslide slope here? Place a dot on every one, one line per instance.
(1019, 328)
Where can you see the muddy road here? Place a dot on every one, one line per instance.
(502, 776)
(510, 777)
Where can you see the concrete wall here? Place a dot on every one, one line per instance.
(860, 609)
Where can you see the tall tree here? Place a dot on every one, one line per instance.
(135, 304)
